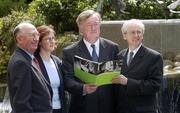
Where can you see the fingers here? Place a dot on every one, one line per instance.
(121, 79)
(90, 88)
(116, 80)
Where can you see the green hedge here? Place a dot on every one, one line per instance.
(61, 13)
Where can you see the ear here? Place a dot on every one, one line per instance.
(19, 39)
(124, 36)
(80, 29)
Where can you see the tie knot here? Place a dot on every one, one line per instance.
(93, 46)
(131, 53)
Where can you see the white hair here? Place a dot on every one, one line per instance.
(19, 27)
(128, 23)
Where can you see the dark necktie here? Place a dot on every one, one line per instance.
(130, 58)
(94, 54)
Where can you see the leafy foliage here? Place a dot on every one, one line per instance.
(4, 55)
(60, 13)
(64, 40)
(139, 9)
(7, 5)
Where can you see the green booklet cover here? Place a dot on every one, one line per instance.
(100, 73)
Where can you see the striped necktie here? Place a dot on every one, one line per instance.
(130, 58)
(36, 63)
(94, 54)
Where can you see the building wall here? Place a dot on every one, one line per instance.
(161, 35)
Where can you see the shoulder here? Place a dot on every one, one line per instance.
(70, 50)
(122, 53)
(57, 59)
(152, 52)
(106, 41)
(18, 61)
(72, 46)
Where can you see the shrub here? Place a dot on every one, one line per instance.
(64, 40)
(60, 13)
(7, 5)
(4, 55)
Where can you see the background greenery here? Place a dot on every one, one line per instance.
(62, 15)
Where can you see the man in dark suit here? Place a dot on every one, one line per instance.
(87, 98)
(141, 74)
(27, 88)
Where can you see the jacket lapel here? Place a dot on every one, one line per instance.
(83, 51)
(137, 58)
(43, 69)
(58, 70)
(102, 50)
(40, 73)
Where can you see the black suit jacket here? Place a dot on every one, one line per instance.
(144, 80)
(27, 88)
(101, 101)
(58, 64)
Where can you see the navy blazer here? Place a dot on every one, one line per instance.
(58, 64)
(144, 75)
(28, 89)
(101, 101)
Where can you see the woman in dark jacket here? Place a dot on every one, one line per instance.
(50, 66)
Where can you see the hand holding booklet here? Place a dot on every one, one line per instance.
(100, 73)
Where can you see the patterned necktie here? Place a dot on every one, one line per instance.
(94, 55)
(36, 63)
(130, 58)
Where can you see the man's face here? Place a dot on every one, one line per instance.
(28, 39)
(133, 36)
(90, 28)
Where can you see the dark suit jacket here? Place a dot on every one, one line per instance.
(144, 80)
(101, 101)
(27, 87)
(58, 64)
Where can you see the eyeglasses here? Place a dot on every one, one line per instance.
(135, 32)
(34, 34)
(49, 39)
(95, 24)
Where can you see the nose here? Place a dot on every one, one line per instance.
(136, 34)
(92, 27)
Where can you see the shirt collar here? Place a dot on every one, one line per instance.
(32, 56)
(135, 50)
(88, 45)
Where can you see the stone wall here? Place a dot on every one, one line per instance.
(161, 35)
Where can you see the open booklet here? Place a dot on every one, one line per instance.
(100, 73)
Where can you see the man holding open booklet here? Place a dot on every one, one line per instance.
(85, 96)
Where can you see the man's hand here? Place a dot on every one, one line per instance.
(89, 88)
(120, 79)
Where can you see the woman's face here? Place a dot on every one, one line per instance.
(48, 43)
